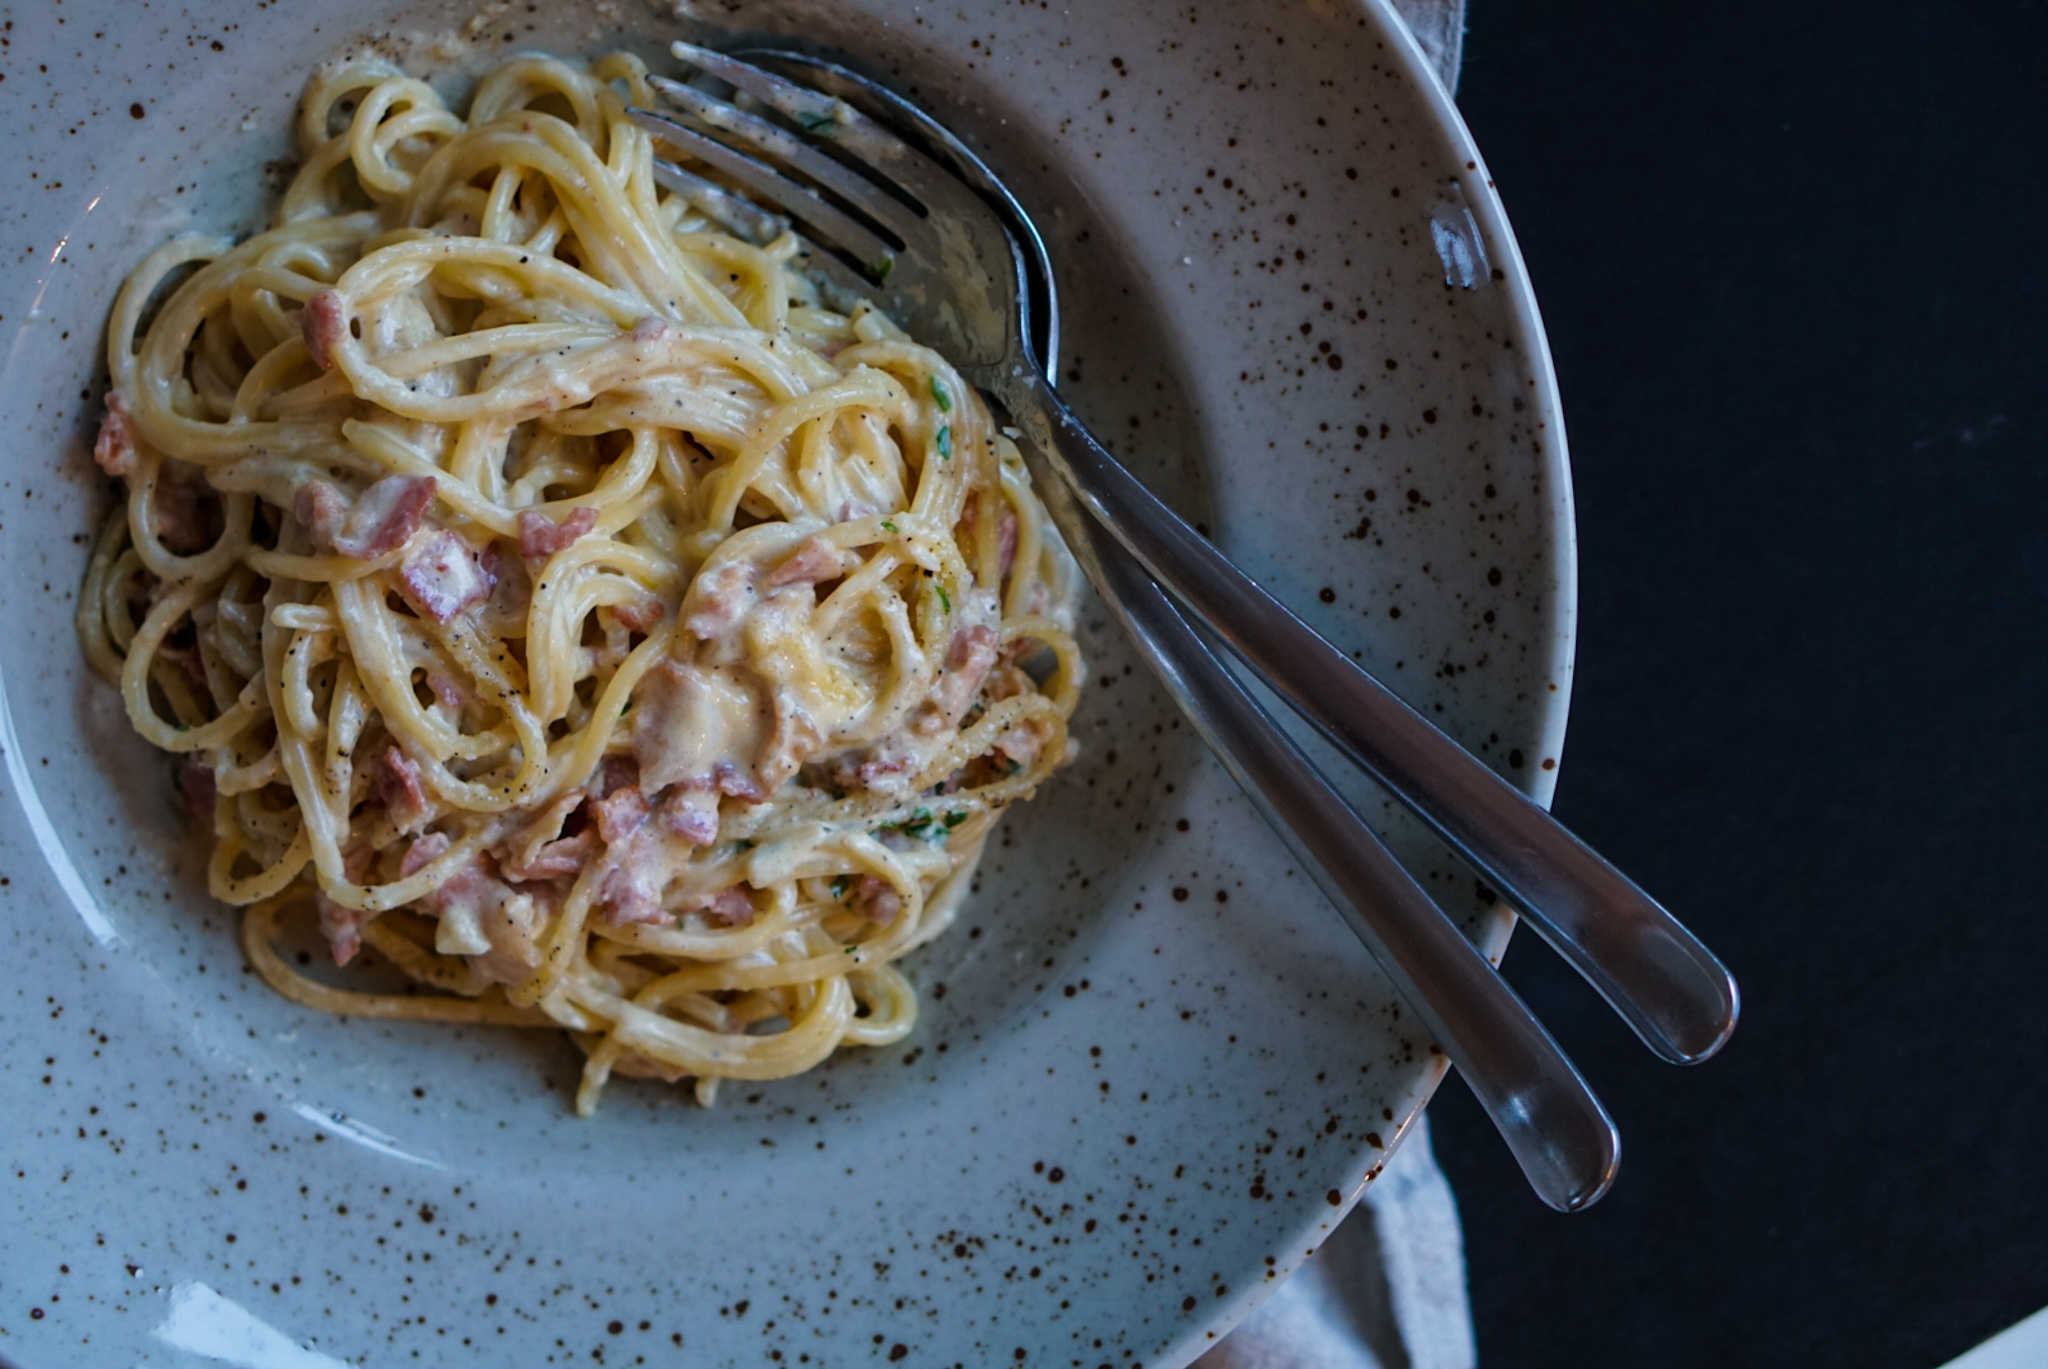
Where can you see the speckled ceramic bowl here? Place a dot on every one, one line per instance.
(1154, 1070)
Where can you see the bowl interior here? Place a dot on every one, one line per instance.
(1152, 1067)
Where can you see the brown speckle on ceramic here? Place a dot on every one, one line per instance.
(1153, 1069)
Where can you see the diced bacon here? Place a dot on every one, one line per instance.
(114, 448)
(320, 507)
(178, 515)
(876, 900)
(877, 770)
(816, 559)
(562, 856)
(619, 814)
(442, 576)
(386, 516)
(631, 891)
(323, 323)
(343, 927)
(616, 772)
(1006, 542)
(541, 536)
(968, 659)
(398, 781)
(736, 783)
(718, 598)
(642, 615)
(496, 926)
(539, 851)
(381, 519)
(356, 863)
(690, 813)
(193, 779)
(448, 691)
(1023, 742)
(422, 853)
(730, 907)
(1006, 681)
(653, 328)
(688, 721)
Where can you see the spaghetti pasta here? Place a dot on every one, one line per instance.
(549, 593)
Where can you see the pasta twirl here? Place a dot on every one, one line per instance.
(545, 591)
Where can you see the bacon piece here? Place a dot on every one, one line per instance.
(690, 813)
(422, 853)
(114, 448)
(631, 891)
(816, 559)
(177, 515)
(496, 926)
(562, 856)
(320, 509)
(541, 536)
(688, 721)
(730, 907)
(1006, 542)
(616, 772)
(383, 518)
(1023, 742)
(323, 323)
(442, 576)
(876, 900)
(193, 779)
(343, 927)
(398, 781)
(968, 659)
(718, 598)
(448, 691)
(386, 516)
(619, 814)
(642, 615)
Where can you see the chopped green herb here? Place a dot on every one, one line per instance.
(940, 397)
(627, 709)
(946, 442)
(1012, 767)
(888, 526)
(823, 125)
(945, 600)
(954, 819)
(881, 269)
(840, 884)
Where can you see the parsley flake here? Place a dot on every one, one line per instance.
(940, 397)
(888, 526)
(819, 125)
(879, 272)
(840, 885)
(946, 442)
(945, 600)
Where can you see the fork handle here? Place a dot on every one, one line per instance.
(1557, 1130)
(1657, 975)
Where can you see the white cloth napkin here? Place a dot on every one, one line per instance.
(1387, 1290)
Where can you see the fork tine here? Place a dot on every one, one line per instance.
(922, 178)
(736, 214)
(793, 152)
(801, 202)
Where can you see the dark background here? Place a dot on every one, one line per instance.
(1791, 259)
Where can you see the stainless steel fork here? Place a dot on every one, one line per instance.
(938, 255)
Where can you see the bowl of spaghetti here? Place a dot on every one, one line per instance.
(509, 642)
